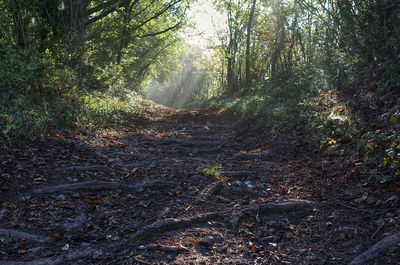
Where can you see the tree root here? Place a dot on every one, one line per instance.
(270, 208)
(15, 235)
(157, 247)
(94, 186)
(210, 138)
(247, 191)
(208, 192)
(191, 143)
(201, 150)
(86, 168)
(172, 224)
(279, 207)
(133, 165)
(377, 249)
(252, 155)
(129, 155)
(242, 173)
(62, 259)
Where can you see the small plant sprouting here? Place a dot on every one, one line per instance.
(212, 172)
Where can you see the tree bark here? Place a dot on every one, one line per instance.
(248, 43)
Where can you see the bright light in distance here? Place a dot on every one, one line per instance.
(206, 23)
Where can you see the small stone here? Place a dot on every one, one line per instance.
(223, 199)
(392, 201)
(97, 254)
(129, 197)
(33, 251)
(196, 178)
(260, 186)
(347, 232)
(211, 239)
(274, 224)
(268, 239)
(249, 185)
(61, 197)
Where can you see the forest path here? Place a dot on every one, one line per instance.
(187, 187)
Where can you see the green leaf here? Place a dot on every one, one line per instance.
(394, 119)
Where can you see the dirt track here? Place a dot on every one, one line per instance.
(188, 187)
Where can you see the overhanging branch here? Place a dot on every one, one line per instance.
(160, 32)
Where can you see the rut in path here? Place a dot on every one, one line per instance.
(189, 189)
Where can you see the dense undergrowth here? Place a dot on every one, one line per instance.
(306, 105)
(25, 120)
(41, 99)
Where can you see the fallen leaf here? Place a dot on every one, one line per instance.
(378, 203)
(65, 247)
(303, 251)
(5, 188)
(54, 236)
(130, 197)
(252, 246)
(95, 201)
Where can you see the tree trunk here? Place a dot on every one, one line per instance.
(20, 28)
(248, 43)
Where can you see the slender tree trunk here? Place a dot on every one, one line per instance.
(248, 43)
(124, 32)
(20, 28)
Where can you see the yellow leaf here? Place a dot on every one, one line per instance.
(371, 145)
(394, 144)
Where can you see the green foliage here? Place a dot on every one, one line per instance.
(106, 111)
(16, 75)
(78, 63)
(211, 171)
